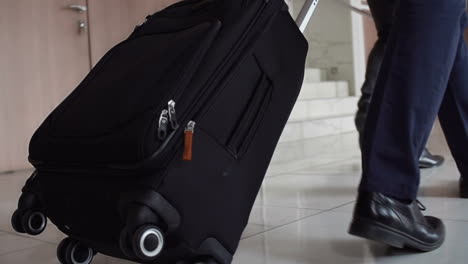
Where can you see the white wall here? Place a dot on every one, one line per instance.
(330, 39)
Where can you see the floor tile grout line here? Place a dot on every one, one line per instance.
(318, 213)
(298, 220)
(442, 218)
(276, 227)
(327, 173)
(343, 205)
(29, 237)
(293, 171)
(289, 207)
(300, 208)
(18, 250)
(321, 164)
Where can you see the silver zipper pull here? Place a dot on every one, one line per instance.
(190, 126)
(172, 114)
(162, 128)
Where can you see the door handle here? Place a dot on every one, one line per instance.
(78, 8)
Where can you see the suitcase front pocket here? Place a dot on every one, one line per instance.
(239, 141)
(114, 116)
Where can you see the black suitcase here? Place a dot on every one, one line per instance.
(158, 155)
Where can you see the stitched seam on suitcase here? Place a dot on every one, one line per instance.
(214, 139)
(205, 94)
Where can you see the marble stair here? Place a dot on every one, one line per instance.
(321, 125)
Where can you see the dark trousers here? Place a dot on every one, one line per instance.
(383, 14)
(424, 73)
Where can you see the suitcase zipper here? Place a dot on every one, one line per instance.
(201, 95)
(167, 116)
(172, 114)
(162, 126)
(188, 141)
(229, 57)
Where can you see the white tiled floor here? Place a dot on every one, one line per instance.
(300, 216)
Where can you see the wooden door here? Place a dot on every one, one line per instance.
(112, 21)
(466, 34)
(370, 34)
(43, 56)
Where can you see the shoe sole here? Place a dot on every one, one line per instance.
(432, 166)
(378, 232)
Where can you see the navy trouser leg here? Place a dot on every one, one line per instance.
(453, 112)
(413, 80)
(382, 13)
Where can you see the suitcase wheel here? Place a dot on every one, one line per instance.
(148, 242)
(71, 251)
(16, 222)
(29, 217)
(31, 222)
(143, 234)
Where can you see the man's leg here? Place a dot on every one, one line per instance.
(413, 79)
(383, 15)
(453, 114)
(418, 60)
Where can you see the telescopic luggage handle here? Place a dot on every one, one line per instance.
(306, 13)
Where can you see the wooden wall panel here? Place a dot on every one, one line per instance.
(43, 57)
(466, 34)
(370, 34)
(112, 21)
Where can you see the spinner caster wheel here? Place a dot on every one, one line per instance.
(30, 222)
(16, 222)
(71, 251)
(148, 242)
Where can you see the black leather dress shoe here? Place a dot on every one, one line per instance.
(427, 160)
(463, 187)
(383, 219)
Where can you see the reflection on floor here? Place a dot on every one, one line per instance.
(301, 216)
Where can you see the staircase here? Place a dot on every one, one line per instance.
(321, 126)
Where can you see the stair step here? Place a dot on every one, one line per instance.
(299, 130)
(306, 109)
(328, 89)
(300, 154)
(315, 75)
